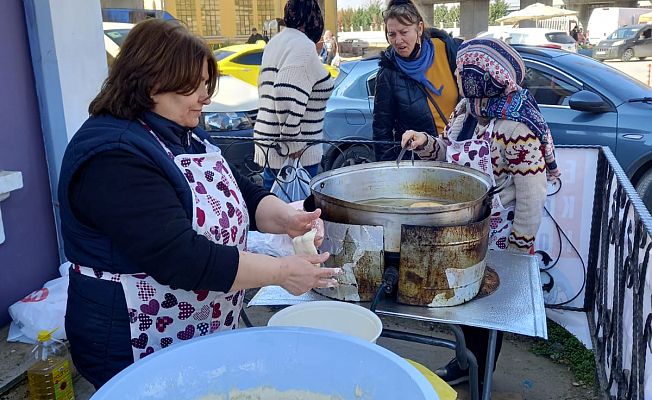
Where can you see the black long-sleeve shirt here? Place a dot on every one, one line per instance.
(126, 198)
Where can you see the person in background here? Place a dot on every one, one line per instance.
(255, 37)
(415, 86)
(575, 32)
(330, 44)
(153, 219)
(293, 87)
(496, 128)
(581, 38)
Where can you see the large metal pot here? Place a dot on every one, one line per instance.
(342, 193)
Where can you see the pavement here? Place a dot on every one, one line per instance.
(519, 375)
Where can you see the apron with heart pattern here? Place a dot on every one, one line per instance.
(476, 154)
(160, 316)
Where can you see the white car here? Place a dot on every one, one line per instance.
(535, 37)
(114, 35)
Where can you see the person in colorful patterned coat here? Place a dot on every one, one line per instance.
(498, 129)
(153, 219)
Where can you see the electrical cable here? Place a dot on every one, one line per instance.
(561, 232)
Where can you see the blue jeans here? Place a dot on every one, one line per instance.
(269, 175)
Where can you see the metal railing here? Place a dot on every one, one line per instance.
(618, 292)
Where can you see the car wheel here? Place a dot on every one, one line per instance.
(644, 189)
(627, 55)
(350, 156)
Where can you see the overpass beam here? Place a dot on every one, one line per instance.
(474, 17)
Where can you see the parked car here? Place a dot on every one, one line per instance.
(114, 35)
(626, 43)
(584, 101)
(243, 61)
(542, 37)
(232, 113)
(604, 20)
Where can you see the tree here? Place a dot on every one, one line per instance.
(497, 9)
(453, 15)
(441, 13)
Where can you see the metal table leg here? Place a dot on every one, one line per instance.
(458, 347)
(489, 365)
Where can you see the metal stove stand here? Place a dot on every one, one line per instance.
(517, 306)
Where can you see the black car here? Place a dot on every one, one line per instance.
(626, 43)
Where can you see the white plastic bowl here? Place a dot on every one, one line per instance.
(336, 316)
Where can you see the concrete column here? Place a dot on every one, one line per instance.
(428, 13)
(330, 15)
(525, 3)
(66, 42)
(474, 17)
(227, 25)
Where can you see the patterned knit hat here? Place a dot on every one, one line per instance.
(492, 72)
(306, 16)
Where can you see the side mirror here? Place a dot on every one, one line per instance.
(587, 101)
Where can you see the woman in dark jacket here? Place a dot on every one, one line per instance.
(153, 219)
(415, 86)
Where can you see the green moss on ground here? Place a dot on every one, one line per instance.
(564, 348)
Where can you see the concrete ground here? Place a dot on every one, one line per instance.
(520, 374)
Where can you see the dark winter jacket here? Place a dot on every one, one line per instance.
(140, 200)
(404, 103)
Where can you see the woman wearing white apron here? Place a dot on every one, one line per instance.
(154, 220)
(496, 128)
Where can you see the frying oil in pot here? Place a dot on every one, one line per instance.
(402, 202)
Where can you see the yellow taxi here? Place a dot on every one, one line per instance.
(243, 61)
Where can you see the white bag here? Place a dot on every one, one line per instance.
(292, 182)
(43, 309)
(336, 61)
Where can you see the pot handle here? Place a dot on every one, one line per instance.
(309, 203)
(499, 188)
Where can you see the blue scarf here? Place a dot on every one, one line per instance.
(416, 68)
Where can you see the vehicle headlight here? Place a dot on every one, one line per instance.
(618, 43)
(226, 121)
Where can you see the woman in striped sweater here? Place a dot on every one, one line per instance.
(293, 87)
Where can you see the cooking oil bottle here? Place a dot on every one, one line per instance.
(50, 378)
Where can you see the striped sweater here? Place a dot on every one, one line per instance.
(515, 151)
(293, 87)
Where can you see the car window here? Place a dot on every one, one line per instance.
(117, 35)
(358, 89)
(548, 89)
(623, 33)
(222, 54)
(371, 86)
(253, 58)
(646, 34)
(560, 37)
(516, 38)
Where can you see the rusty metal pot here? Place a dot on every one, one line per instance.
(343, 195)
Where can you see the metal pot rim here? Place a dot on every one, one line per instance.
(420, 164)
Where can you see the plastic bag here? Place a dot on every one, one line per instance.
(43, 309)
(292, 182)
